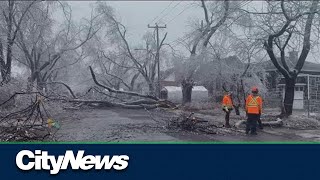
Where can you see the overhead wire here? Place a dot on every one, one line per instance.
(243, 3)
(186, 7)
(161, 12)
(169, 11)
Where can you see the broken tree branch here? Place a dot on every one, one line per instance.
(110, 104)
(117, 91)
(65, 85)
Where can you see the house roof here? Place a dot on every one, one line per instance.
(233, 61)
(230, 63)
(207, 67)
(178, 88)
(307, 67)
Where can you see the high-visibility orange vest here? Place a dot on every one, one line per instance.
(254, 104)
(227, 102)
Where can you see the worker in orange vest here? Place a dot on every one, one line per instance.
(253, 110)
(227, 107)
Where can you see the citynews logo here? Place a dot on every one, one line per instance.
(40, 160)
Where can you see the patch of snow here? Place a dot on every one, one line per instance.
(199, 93)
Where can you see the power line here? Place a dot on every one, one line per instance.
(176, 42)
(179, 13)
(243, 3)
(161, 12)
(169, 11)
(240, 5)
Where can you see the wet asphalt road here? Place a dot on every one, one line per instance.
(114, 125)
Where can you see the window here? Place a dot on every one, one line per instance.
(299, 88)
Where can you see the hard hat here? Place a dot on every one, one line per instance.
(254, 89)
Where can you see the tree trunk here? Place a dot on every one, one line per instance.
(289, 95)
(41, 86)
(186, 94)
(187, 86)
(34, 81)
(238, 97)
(210, 91)
(243, 93)
(6, 76)
(151, 89)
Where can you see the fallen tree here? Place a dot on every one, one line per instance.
(140, 104)
(117, 91)
(65, 85)
(101, 103)
(147, 101)
(32, 123)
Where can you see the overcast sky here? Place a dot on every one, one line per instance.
(136, 15)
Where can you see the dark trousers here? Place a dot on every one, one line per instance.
(259, 121)
(251, 125)
(227, 117)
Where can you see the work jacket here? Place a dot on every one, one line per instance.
(227, 102)
(254, 104)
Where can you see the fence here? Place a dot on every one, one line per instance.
(273, 99)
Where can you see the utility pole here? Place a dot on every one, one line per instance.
(157, 54)
(308, 86)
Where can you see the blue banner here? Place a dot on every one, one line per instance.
(163, 161)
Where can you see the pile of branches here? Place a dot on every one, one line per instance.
(189, 122)
(27, 124)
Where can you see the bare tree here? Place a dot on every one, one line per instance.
(212, 22)
(146, 66)
(45, 51)
(284, 24)
(13, 15)
(118, 71)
